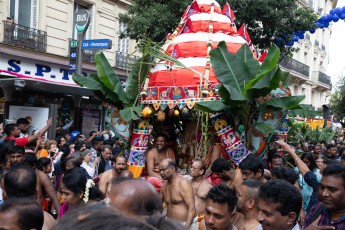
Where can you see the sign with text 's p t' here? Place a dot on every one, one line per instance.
(82, 20)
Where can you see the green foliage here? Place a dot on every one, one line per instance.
(299, 132)
(107, 86)
(266, 20)
(337, 99)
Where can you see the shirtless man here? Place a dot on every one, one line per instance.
(105, 178)
(153, 159)
(247, 204)
(200, 187)
(177, 193)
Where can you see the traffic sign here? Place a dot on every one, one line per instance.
(73, 56)
(74, 44)
(97, 44)
(82, 20)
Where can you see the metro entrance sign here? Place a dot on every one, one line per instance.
(97, 44)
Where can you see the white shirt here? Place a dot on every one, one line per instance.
(91, 171)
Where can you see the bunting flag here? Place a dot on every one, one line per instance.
(262, 57)
(191, 9)
(244, 33)
(228, 12)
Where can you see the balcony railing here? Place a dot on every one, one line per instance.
(294, 65)
(124, 61)
(18, 35)
(324, 78)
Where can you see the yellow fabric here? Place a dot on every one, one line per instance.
(136, 170)
(43, 153)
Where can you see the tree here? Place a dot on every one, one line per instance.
(267, 20)
(337, 100)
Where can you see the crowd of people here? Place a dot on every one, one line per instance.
(81, 181)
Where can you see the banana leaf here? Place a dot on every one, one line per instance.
(130, 113)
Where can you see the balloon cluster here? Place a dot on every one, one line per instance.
(323, 22)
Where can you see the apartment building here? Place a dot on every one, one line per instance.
(35, 37)
(309, 64)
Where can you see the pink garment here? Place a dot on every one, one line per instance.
(64, 209)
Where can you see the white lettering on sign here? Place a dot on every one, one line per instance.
(81, 18)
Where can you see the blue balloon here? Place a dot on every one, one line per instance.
(323, 18)
(326, 24)
(291, 43)
(312, 30)
(342, 16)
(317, 24)
(338, 11)
(295, 38)
(335, 18)
(343, 10)
(332, 12)
(301, 36)
(329, 17)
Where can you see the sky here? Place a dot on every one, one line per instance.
(337, 48)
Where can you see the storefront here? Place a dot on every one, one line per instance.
(39, 85)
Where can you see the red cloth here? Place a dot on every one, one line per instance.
(156, 182)
(20, 141)
(214, 179)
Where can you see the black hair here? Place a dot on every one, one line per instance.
(75, 180)
(336, 170)
(273, 155)
(78, 145)
(109, 141)
(30, 159)
(58, 139)
(20, 181)
(219, 165)
(23, 121)
(222, 194)
(309, 156)
(330, 146)
(342, 157)
(329, 162)
(114, 159)
(172, 163)
(341, 150)
(9, 128)
(285, 173)
(161, 135)
(282, 193)
(252, 163)
(42, 163)
(15, 149)
(253, 185)
(29, 212)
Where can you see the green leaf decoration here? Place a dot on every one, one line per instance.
(231, 71)
(210, 106)
(284, 102)
(264, 128)
(130, 113)
(142, 68)
(108, 77)
(90, 82)
(246, 55)
(304, 111)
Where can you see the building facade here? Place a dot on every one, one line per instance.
(309, 63)
(35, 38)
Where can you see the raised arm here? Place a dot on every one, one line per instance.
(48, 187)
(302, 167)
(42, 131)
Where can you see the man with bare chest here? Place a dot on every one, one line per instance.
(154, 157)
(200, 187)
(106, 178)
(177, 193)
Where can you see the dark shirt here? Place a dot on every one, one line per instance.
(325, 219)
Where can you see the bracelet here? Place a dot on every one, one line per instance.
(296, 159)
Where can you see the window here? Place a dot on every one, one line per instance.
(24, 13)
(123, 42)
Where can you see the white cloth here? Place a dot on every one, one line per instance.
(91, 171)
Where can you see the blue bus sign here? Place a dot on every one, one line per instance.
(96, 44)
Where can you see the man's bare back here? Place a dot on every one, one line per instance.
(105, 180)
(200, 190)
